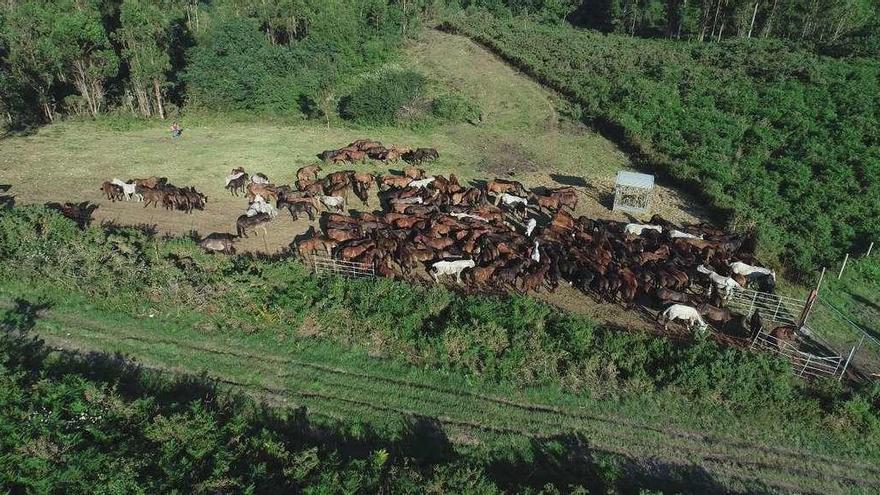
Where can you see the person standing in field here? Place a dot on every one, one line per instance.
(176, 130)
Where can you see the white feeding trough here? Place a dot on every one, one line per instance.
(632, 192)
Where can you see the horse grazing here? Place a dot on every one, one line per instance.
(244, 223)
(335, 202)
(688, 314)
(218, 243)
(450, 268)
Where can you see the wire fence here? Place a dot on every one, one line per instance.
(773, 308)
(803, 364)
(322, 265)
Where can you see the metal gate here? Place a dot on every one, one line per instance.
(323, 265)
(781, 310)
(803, 364)
(774, 308)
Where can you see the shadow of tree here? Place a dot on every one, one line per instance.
(569, 180)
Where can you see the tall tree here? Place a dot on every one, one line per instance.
(143, 34)
(32, 57)
(87, 57)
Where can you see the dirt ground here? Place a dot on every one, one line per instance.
(222, 210)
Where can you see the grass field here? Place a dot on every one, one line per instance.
(521, 133)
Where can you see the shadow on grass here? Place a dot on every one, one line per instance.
(423, 442)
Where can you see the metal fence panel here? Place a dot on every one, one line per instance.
(772, 307)
(323, 265)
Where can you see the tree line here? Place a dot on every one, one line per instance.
(149, 57)
(780, 139)
(825, 22)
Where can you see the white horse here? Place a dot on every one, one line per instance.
(415, 200)
(511, 200)
(684, 235)
(722, 283)
(686, 313)
(259, 205)
(335, 202)
(638, 228)
(530, 227)
(421, 183)
(468, 215)
(746, 270)
(259, 178)
(450, 268)
(130, 190)
(230, 178)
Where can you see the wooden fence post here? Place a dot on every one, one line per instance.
(843, 266)
(845, 366)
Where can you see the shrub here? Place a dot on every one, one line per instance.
(455, 108)
(380, 97)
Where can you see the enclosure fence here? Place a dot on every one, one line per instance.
(322, 265)
(819, 357)
(803, 364)
(773, 308)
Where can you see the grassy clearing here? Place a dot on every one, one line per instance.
(520, 132)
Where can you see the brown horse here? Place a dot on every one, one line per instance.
(267, 191)
(308, 173)
(112, 191)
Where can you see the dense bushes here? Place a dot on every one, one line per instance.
(778, 137)
(75, 427)
(513, 339)
(402, 96)
(380, 98)
(455, 108)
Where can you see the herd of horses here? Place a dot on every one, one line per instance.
(496, 236)
(360, 150)
(156, 191)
